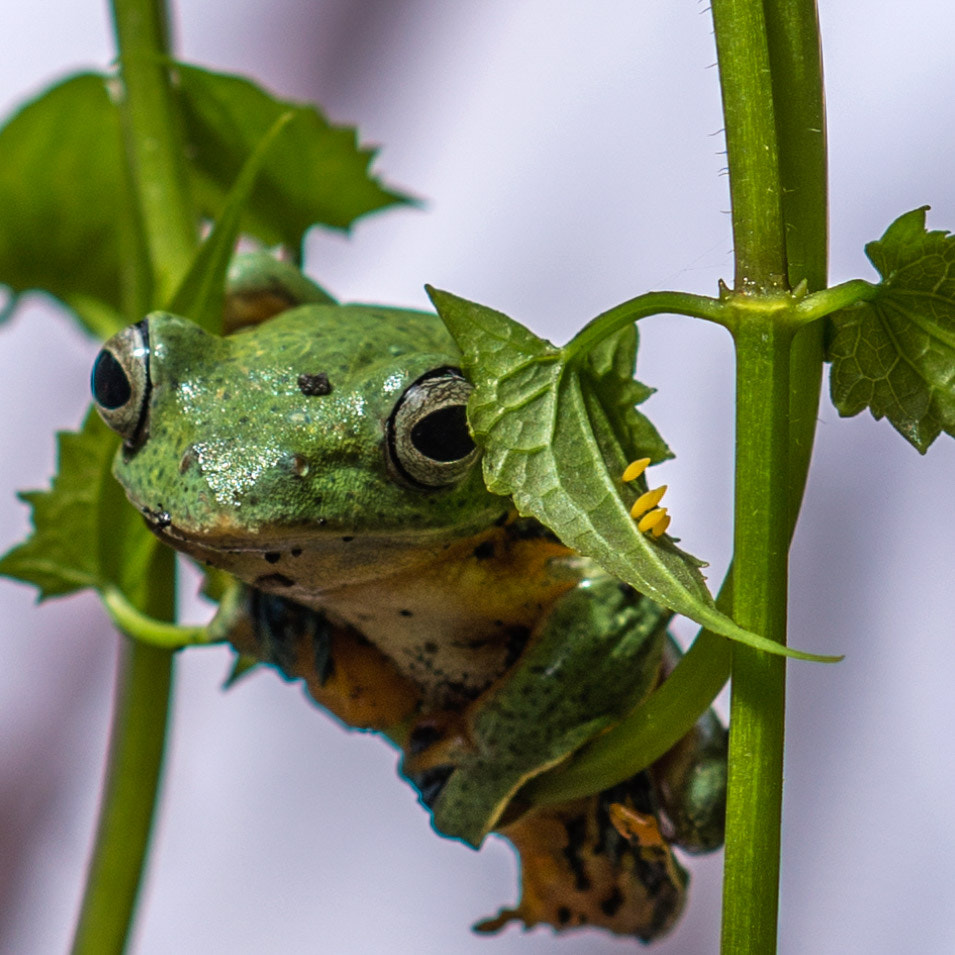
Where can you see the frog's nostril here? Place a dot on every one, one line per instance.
(317, 384)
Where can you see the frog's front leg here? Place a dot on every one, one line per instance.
(342, 671)
(591, 659)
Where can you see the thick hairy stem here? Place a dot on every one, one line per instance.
(771, 78)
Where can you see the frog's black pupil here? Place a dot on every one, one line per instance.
(111, 387)
(443, 434)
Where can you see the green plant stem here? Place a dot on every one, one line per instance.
(137, 738)
(760, 562)
(795, 55)
(763, 505)
(752, 153)
(160, 207)
(775, 422)
(153, 142)
(649, 732)
(795, 59)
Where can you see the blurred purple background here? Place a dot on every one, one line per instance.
(569, 160)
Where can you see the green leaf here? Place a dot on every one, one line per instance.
(319, 175)
(202, 292)
(895, 354)
(553, 440)
(85, 534)
(62, 193)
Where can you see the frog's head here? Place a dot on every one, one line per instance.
(334, 430)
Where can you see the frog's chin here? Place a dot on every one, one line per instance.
(310, 558)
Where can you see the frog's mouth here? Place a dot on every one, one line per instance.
(303, 559)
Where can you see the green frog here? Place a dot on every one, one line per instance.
(320, 454)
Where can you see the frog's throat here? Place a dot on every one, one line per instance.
(448, 613)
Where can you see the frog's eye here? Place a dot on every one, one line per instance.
(428, 439)
(120, 382)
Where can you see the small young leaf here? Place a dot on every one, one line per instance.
(895, 354)
(609, 369)
(62, 193)
(202, 292)
(85, 534)
(317, 174)
(549, 435)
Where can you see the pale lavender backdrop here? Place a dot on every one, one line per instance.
(569, 154)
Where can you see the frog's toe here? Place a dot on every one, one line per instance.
(440, 739)
(430, 783)
(434, 749)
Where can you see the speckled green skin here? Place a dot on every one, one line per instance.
(235, 449)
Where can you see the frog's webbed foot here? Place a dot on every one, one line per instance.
(592, 658)
(341, 670)
(259, 286)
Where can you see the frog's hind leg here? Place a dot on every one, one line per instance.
(260, 286)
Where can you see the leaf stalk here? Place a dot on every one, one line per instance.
(143, 628)
(650, 303)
